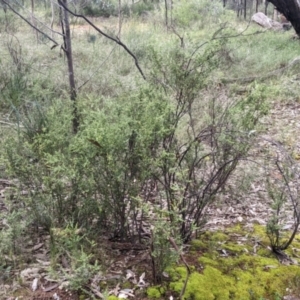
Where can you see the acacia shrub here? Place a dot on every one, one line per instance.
(208, 134)
(122, 140)
(41, 157)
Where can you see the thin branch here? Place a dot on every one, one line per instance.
(29, 23)
(116, 40)
(35, 18)
(173, 243)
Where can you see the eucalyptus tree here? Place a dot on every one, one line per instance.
(291, 10)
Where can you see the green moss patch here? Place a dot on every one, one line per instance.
(155, 292)
(235, 267)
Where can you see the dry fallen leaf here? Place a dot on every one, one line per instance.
(129, 274)
(34, 285)
(37, 247)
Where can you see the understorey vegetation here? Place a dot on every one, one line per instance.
(170, 129)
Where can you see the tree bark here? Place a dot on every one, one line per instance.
(68, 51)
(266, 7)
(291, 10)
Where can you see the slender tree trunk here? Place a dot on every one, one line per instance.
(239, 8)
(68, 51)
(171, 12)
(33, 21)
(291, 10)
(251, 7)
(166, 12)
(52, 17)
(120, 19)
(266, 7)
(245, 9)
(275, 14)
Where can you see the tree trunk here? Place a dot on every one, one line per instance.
(166, 13)
(291, 10)
(68, 51)
(52, 17)
(266, 7)
(239, 6)
(120, 18)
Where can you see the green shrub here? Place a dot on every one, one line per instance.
(186, 13)
(122, 141)
(142, 7)
(204, 133)
(12, 235)
(100, 8)
(72, 245)
(41, 157)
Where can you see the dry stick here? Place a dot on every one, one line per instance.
(116, 40)
(30, 24)
(173, 243)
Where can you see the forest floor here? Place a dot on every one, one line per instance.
(127, 271)
(30, 278)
